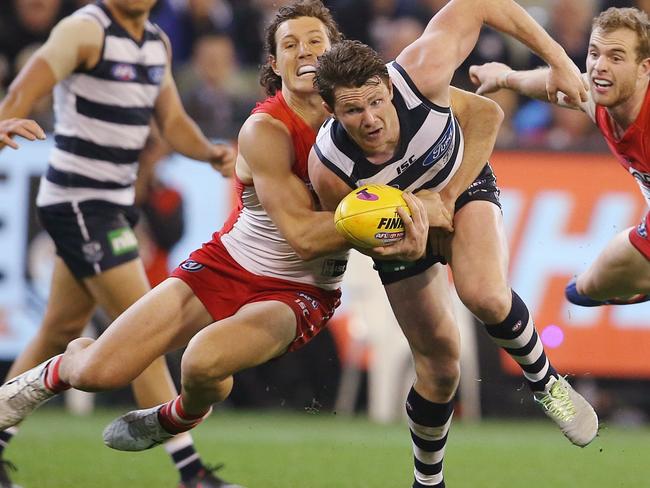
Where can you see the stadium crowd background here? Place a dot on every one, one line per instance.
(219, 94)
(217, 46)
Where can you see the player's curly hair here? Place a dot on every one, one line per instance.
(348, 64)
(628, 18)
(301, 8)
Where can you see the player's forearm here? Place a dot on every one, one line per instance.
(480, 121)
(316, 236)
(528, 83)
(510, 18)
(15, 105)
(185, 138)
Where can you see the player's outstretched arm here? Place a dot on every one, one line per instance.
(491, 77)
(26, 128)
(452, 33)
(72, 43)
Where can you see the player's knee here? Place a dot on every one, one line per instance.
(489, 305)
(89, 373)
(438, 369)
(439, 380)
(203, 370)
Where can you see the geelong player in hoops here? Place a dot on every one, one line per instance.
(386, 115)
(618, 67)
(109, 69)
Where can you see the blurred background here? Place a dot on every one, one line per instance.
(564, 197)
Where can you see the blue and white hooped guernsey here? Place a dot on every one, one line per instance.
(429, 151)
(102, 117)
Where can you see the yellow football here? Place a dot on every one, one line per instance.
(367, 217)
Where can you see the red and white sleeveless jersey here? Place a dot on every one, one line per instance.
(252, 238)
(633, 149)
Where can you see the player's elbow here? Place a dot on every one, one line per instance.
(305, 248)
(492, 113)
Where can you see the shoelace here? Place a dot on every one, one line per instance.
(211, 469)
(558, 403)
(144, 427)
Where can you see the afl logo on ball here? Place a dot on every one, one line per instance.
(191, 266)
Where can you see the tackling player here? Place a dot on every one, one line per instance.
(618, 69)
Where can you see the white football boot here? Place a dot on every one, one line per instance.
(569, 410)
(22, 395)
(136, 431)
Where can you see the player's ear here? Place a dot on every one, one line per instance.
(330, 110)
(274, 64)
(644, 68)
(389, 85)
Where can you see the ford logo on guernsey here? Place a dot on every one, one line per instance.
(123, 72)
(192, 266)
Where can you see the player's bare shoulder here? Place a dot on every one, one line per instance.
(76, 41)
(259, 128)
(264, 144)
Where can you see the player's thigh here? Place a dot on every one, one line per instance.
(423, 308)
(69, 305)
(117, 288)
(162, 320)
(619, 270)
(478, 251)
(258, 332)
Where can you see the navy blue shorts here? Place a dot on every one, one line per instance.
(484, 187)
(92, 236)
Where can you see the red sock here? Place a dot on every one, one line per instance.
(51, 378)
(174, 419)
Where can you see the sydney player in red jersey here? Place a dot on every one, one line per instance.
(618, 69)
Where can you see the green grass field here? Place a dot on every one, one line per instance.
(57, 450)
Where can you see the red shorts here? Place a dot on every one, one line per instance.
(639, 236)
(223, 287)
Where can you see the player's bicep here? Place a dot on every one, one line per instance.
(268, 151)
(433, 58)
(74, 42)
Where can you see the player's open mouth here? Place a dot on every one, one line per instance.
(373, 134)
(306, 70)
(601, 85)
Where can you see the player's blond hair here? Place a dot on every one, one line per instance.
(627, 18)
